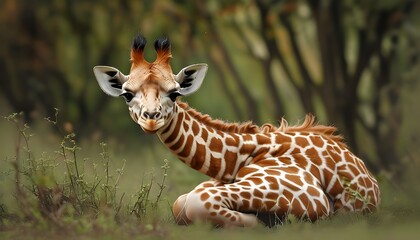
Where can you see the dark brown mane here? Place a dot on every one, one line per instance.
(308, 126)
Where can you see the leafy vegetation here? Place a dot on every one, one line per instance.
(61, 191)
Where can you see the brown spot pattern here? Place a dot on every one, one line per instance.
(215, 166)
(247, 149)
(301, 141)
(283, 165)
(204, 196)
(178, 144)
(187, 148)
(195, 128)
(204, 134)
(216, 145)
(199, 157)
(262, 139)
(232, 140)
(174, 133)
(282, 138)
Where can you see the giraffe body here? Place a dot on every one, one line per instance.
(256, 172)
(302, 171)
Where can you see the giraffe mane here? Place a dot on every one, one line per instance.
(246, 127)
(308, 126)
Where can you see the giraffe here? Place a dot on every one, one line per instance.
(257, 173)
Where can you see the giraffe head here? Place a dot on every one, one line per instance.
(151, 89)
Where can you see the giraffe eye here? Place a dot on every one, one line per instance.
(128, 96)
(173, 95)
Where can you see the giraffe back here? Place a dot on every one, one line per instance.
(315, 148)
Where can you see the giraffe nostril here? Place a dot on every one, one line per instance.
(157, 115)
(152, 115)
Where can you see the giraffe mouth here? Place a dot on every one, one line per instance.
(150, 126)
(149, 132)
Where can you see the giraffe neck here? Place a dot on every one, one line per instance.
(208, 150)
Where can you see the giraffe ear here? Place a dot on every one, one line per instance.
(190, 78)
(110, 79)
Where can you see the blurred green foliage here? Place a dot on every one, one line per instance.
(352, 63)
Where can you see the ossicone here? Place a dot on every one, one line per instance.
(137, 49)
(163, 50)
(162, 44)
(162, 47)
(139, 43)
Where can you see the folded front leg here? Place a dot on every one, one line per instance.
(211, 202)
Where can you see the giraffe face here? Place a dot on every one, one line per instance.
(151, 89)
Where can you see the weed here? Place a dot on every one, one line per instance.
(142, 204)
(352, 190)
(56, 189)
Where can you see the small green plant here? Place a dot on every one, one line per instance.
(354, 193)
(142, 202)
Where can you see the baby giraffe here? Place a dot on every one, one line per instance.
(257, 173)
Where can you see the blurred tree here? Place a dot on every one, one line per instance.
(49, 49)
(353, 43)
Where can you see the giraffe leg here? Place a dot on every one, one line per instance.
(267, 188)
(179, 206)
(213, 205)
(178, 210)
(282, 189)
(209, 202)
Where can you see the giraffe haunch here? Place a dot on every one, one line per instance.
(258, 174)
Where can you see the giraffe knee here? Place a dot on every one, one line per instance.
(207, 206)
(196, 208)
(178, 209)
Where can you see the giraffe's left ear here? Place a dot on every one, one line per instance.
(190, 78)
(110, 80)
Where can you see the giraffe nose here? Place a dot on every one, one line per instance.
(152, 115)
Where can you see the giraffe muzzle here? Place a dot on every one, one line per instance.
(151, 115)
(151, 122)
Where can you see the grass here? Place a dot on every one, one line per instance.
(61, 190)
(54, 191)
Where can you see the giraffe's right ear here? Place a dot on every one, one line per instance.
(190, 78)
(110, 80)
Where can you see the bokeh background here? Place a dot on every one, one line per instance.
(354, 64)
